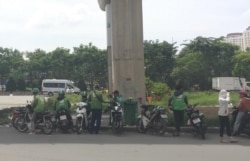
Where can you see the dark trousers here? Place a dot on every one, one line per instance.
(224, 122)
(178, 119)
(96, 118)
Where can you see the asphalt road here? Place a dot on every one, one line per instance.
(128, 146)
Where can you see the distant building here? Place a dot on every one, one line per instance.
(246, 38)
(235, 39)
(240, 39)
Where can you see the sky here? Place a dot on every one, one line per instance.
(28, 25)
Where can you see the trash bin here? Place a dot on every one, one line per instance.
(130, 111)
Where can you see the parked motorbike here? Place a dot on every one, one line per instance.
(42, 122)
(245, 124)
(154, 120)
(195, 120)
(116, 117)
(82, 118)
(63, 122)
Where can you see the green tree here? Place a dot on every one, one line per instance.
(242, 65)
(215, 56)
(159, 60)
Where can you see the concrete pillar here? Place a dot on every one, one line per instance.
(125, 33)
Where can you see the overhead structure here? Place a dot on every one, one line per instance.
(125, 47)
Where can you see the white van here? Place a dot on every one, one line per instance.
(52, 86)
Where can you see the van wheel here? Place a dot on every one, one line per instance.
(50, 94)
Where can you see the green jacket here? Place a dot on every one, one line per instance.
(96, 99)
(62, 104)
(178, 101)
(38, 103)
(120, 100)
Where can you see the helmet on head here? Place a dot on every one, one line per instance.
(84, 94)
(61, 93)
(243, 92)
(35, 91)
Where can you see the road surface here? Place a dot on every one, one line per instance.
(129, 146)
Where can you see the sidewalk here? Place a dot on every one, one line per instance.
(105, 125)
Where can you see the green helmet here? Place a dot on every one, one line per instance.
(84, 94)
(61, 93)
(35, 91)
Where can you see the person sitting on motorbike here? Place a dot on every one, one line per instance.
(118, 98)
(63, 103)
(243, 108)
(38, 105)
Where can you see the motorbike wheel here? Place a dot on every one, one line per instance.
(21, 124)
(161, 126)
(139, 126)
(14, 122)
(116, 126)
(48, 127)
(79, 128)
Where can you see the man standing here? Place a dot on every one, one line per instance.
(178, 103)
(38, 104)
(96, 99)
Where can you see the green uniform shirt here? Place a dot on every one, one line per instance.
(178, 102)
(120, 100)
(96, 100)
(39, 103)
(62, 104)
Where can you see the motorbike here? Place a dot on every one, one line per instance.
(42, 122)
(152, 118)
(245, 124)
(63, 121)
(116, 117)
(196, 120)
(82, 118)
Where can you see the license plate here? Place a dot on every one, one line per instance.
(197, 120)
(163, 116)
(63, 117)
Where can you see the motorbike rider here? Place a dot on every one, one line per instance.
(116, 98)
(38, 105)
(243, 108)
(96, 99)
(178, 103)
(63, 103)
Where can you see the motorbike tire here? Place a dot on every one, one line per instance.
(116, 126)
(163, 127)
(14, 123)
(48, 127)
(139, 126)
(21, 124)
(79, 128)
